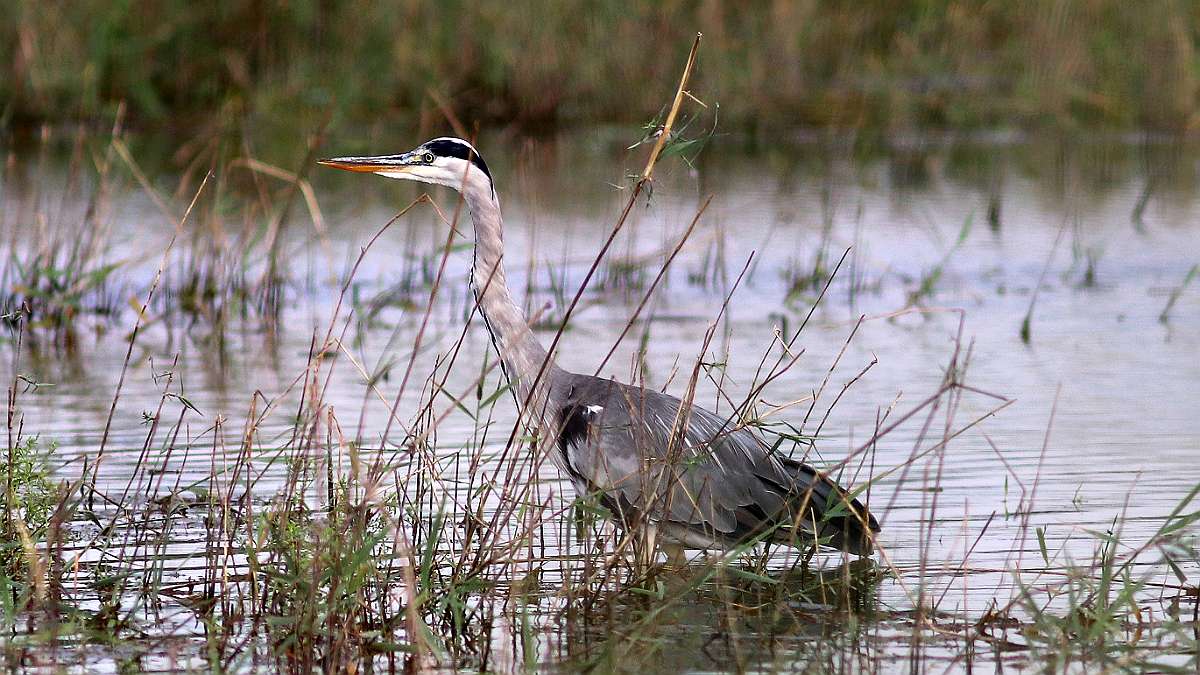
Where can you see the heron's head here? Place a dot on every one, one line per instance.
(452, 162)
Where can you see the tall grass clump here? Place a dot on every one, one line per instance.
(1099, 615)
(29, 497)
(70, 265)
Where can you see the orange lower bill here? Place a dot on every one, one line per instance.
(355, 167)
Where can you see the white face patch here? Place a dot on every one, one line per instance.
(595, 409)
(451, 162)
(448, 171)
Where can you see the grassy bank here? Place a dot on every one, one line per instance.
(879, 65)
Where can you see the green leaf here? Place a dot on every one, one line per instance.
(187, 404)
(752, 576)
(966, 229)
(494, 395)
(457, 403)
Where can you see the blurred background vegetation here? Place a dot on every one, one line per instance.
(857, 64)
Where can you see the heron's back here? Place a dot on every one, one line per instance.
(701, 479)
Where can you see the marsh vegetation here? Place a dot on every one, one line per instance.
(285, 450)
(876, 67)
(253, 421)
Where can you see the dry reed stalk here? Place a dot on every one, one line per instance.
(179, 223)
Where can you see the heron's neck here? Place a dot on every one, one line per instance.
(520, 352)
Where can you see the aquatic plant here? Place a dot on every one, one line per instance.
(421, 532)
(30, 498)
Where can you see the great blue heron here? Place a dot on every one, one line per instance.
(679, 473)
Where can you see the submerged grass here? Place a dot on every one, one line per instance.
(1099, 616)
(1192, 273)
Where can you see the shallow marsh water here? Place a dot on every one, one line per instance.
(1103, 424)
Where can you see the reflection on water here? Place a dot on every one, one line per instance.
(1103, 426)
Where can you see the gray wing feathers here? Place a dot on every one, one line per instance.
(645, 459)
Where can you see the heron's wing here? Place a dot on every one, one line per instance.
(646, 459)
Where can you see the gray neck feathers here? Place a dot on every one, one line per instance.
(520, 352)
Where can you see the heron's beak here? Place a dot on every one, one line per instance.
(392, 163)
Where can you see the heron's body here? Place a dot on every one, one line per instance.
(695, 478)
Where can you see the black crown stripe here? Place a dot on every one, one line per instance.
(447, 148)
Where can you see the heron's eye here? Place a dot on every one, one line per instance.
(427, 158)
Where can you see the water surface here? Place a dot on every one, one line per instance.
(943, 236)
